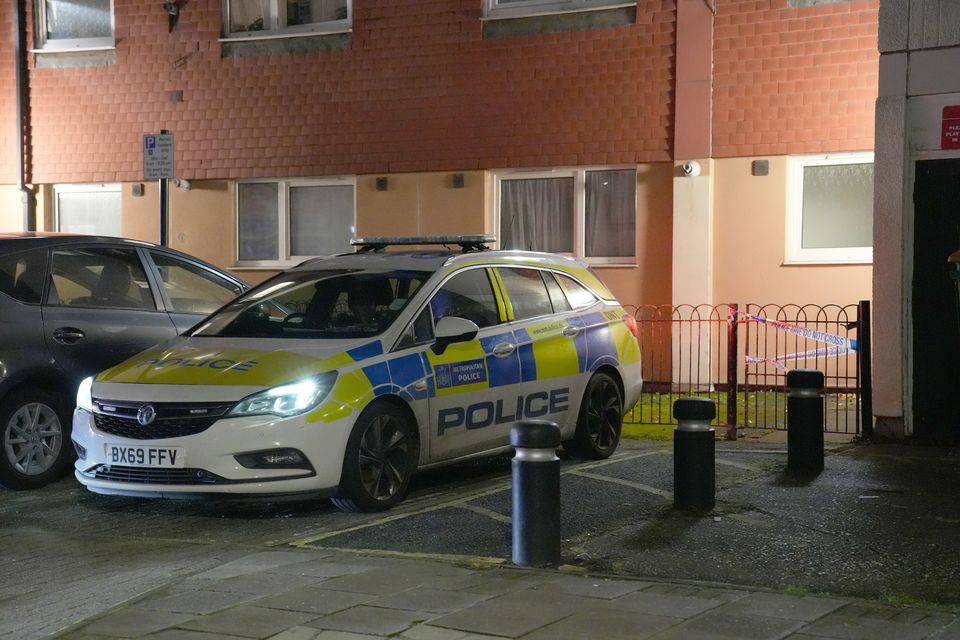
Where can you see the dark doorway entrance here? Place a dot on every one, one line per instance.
(936, 316)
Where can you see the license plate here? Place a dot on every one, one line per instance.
(139, 456)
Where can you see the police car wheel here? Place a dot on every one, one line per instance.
(381, 457)
(34, 438)
(600, 420)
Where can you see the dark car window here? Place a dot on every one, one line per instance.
(99, 277)
(559, 300)
(467, 295)
(22, 275)
(191, 288)
(578, 295)
(420, 331)
(318, 304)
(528, 295)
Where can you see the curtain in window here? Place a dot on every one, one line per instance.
(321, 220)
(308, 11)
(249, 15)
(611, 214)
(537, 214)
(258, 231)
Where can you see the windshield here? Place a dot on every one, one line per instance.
(330, 304)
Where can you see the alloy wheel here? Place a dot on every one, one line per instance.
(384, 457)
(33, 438)
(603, 414)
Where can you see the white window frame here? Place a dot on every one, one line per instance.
(89, 187)
(795, 253)
(498, 10)
(43, 44)
(278, 18)
(286, 259)
(579, 175)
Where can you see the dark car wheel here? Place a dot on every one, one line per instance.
(600, 420)
(35, 444)
(381, 456)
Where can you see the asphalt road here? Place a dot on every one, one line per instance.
(880, 521)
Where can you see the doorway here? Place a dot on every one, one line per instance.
(935, 309)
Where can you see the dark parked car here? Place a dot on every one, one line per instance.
(71, 306)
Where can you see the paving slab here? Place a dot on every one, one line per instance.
(674, 605)
(314, 600)
(264, 583)
(721, 626)
(606, 624)
(250, 622)
(196, 602)
(430, 600)
(853, 624)
(370, 620)
(185, 634)
(429, 632)
(134, 623)
(511, 615)
(592, 587)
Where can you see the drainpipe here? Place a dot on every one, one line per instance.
(20, 54)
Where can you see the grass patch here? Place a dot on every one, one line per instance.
(663, 432)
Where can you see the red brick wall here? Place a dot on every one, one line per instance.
(8, 99)
(794, 80)
(420, 90)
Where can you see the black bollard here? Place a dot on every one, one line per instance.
(694, 469)
(536, 494)
(804, 421)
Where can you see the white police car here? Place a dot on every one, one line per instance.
(345, 375)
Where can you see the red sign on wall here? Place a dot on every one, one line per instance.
(950, 134)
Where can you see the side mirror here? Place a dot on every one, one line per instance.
(450, 330)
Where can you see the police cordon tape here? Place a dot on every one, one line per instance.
(839, 345)
(812, 353)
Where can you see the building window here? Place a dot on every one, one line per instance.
(587, 213)
(830, 210)
(283, 222)
(74, 24)
(92, 209)
(266, 18)
(522, 8)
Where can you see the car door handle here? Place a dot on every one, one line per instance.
(420, 385)
(571, 331)
(504, 349)
(68, 335)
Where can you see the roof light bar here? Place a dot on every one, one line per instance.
(467, 243)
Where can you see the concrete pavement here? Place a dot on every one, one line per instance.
(293, 594)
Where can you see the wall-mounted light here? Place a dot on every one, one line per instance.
(382, 183)
(458, 181)
(182, 184)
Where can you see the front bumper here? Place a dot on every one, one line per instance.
(210, 467)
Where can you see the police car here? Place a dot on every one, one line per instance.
(345, 375)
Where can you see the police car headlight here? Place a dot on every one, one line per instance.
(84, 397)
(287, 400)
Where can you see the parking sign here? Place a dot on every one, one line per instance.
(157, 156)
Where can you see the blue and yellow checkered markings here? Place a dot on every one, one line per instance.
(595, 343)
(527, 355)
(500, 371)
(399, 376)
(369, 350)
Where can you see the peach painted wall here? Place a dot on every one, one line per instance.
(749, 237)
(11, 212)
(423, 204)
(649, 282)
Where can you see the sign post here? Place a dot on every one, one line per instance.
(158, 165)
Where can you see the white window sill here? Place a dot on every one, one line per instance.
(285, 35)
(511, 14)
(610, 265)
(73, 49)
(825, 263)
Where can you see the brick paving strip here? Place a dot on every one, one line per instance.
(325, 595)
